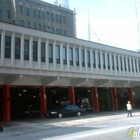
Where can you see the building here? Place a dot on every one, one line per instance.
(39, 15)
(46, 69)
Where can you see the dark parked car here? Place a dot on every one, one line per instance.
(68, 110)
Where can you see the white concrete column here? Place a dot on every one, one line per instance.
(119, 64)
(96, 58)
(61, 55)
(22, 50)
(106, 66)
(47, 53)
(39, 52)
(74, 62)
(54, 54)
(13, 49)
(91, 59)
(68, 60)
(3, 47)
(137, 65)
(31, 51)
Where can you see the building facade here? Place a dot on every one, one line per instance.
(39, 15)
(46, 69)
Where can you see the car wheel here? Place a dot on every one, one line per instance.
(60, 115)
(78, 113)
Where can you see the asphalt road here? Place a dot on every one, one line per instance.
(106, 130)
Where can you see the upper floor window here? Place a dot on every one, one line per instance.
(17, 48)
(93, 59)
(64, 55)
(128, 64)
(38, 14)
(21, 22)
(57, 31)
(77, 57)
(52, 17)
(35, 25)
(88, 58)
(121, 64)
(43, 15)
(26, 49)
(64, 32)
(21, 9)
(7, 47)
(0, 45)
(71, 56)
(50, 53)
(99, 61)
(57, 54)
(8, 14)
(136, 65)
(83, 57)
(48, 16)
(64, 20)
(103, 61)
(39, 27)
(43, 27)
(108, 61)
(60, 19)
(0, 15)
(28, 24)
(34, 13)
(113, 67)
(139, 65)
(42, 52)
(27, 12)
(125, 64)
(35, 51)
(132, 65)
(52, 30)
(56, 18)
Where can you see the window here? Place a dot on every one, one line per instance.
(132, 65)
(60, 19)
(43, 15)
(57, 54)
(117, 63)
(50, 53)
(21, 22)
(38, 14)
(28, 24)
(52, 30)
(39, 27)
(56, 18)
(44, 28)
(121, 63)
(21, 10)
(139, 64)
(77, 57)
(103, 61)
(35, 25)
(0, 15)
(113, 67)
(64, 20)
(48, 16)
(27, 11)
(93, 59)
(7, 47)
(64, 32)
(83, 57)
(26, 49)
(128, 64)
(34, 50)
(88, 58)
(0, 45)
(108, 61)
(34, 12)
(57, 31)
(42, 52)
(8, 14)
(136, 65)
(125, 64)
(17, 48)
(52, 17)
(71, 56)
(99, 61)
(64, 55)
(60, 31)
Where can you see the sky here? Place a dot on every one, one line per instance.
(112, 22)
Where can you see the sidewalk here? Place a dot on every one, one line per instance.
(41, 124)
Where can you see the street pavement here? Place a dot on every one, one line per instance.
(15, 128)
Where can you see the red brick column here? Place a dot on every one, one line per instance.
(43, 101)
(72, 95)
(6, 95)
(131, 97)
(95, 98)
(115, 100)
